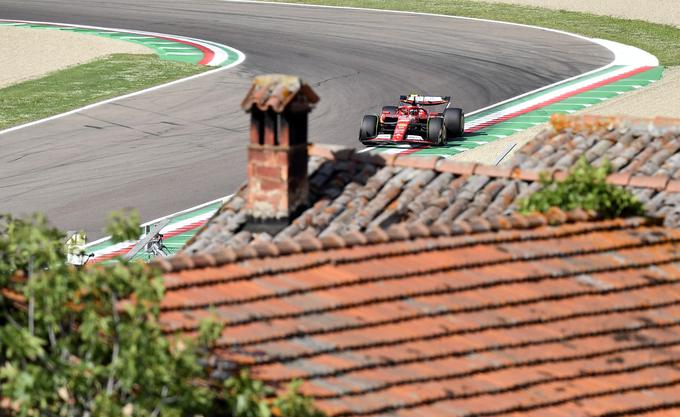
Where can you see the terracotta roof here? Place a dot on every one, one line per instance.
(574, 319)
(633, 146)
(410, 287)
(356, 192)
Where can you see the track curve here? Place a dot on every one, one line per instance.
(179, 146)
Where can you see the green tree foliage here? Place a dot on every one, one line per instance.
(123, 226)
(585, 188)
(88, 342)
(247, 397)
(293, 404)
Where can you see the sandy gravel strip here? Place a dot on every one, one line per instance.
(27, 54)
(658, 11)
(660, 99)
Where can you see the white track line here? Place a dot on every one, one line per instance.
(183, 53)
(215, 47)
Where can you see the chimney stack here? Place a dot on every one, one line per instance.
(277, 153)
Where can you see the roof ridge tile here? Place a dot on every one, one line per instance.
(518, 221)
(397, 232)
(558, 174)
(493, 171)
(377, 235)
(418, 229)
(445, 165)
(461, 227)
(455, 167)
(619, 178)
(309, 243)
(673, 186)
(332, 152)
(536, 219)
(333, 241)
(203, 260)
(288, 246)
(526, 174)
(370, 158)
(180, 262)
(499, 222)
(224, 255)
(265, 249)
(579, 215)
(479, 224)
(354, 238)
(440, 229)
(658, 182)
(246, 252)
(420, 162)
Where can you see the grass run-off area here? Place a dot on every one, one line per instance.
(88, 83)
(663, 41)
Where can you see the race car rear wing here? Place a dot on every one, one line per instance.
(424, 100)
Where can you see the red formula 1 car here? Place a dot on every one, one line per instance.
(411, 123)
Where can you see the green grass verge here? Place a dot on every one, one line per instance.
(84, 84)
(663, 41)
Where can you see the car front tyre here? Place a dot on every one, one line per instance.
(435, 131)
(454, 122)
(369, 128)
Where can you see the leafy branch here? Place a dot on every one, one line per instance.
(88, 342)
(586, 188)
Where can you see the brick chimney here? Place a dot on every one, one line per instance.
(277, 153)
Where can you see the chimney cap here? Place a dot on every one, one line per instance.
(276, 92)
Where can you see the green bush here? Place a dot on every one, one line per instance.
(247, 397)
(88, 341)
(585, 188)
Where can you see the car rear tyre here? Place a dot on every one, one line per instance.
(454, 121)
(435, 131)
(369, 128)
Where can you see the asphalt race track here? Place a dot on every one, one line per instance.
(180, 146)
